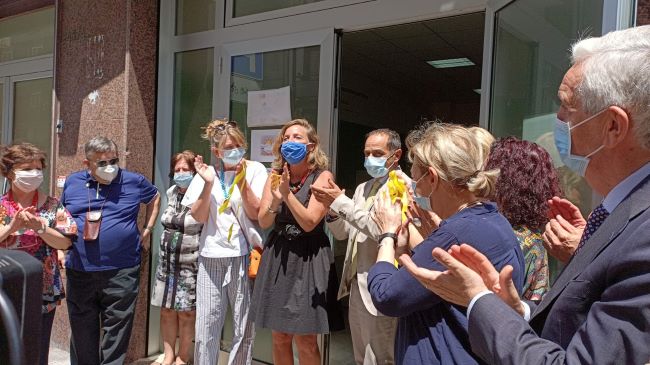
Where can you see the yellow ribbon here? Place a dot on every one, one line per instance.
(240, 175)
(397, 189)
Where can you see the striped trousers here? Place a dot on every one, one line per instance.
(223, 281)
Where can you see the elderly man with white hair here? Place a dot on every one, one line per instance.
(598, 310)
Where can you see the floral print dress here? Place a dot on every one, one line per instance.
(57, 217)
(175, 285)
(536, 282)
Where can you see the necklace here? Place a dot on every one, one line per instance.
(14, 205)
(469, 205)
(296, 188)
(222, 181)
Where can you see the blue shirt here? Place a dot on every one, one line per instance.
(625, 187)
(118, 245)
(430, 330)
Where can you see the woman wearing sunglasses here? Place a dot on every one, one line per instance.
(295, 290)
(226, 198)
(35, 223)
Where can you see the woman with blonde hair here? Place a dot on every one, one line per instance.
(484, 138)
(226, 199)
(35, 223)
(295, 290)
(447, 178)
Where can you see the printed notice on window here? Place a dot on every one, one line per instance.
(270, 107)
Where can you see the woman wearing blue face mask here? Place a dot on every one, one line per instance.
(174, 290)
(448, 177)
(226, 197)
(295, 289)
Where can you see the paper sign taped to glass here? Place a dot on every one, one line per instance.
(270, 107)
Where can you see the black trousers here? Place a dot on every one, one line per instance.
(102, 301)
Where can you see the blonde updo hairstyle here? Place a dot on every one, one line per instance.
(317, 158)
(218, 130)
(456, 156)
(484, 139)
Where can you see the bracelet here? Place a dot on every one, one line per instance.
(149, 228)
(273, 211)
(385, 235)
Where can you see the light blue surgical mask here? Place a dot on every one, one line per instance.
(562, 133)
(233, 156)
(423, 201)
(376, 166)
(183, 179)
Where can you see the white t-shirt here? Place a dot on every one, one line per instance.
(214, 242)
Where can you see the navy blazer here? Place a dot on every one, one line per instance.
(597, 311)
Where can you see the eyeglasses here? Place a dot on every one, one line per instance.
(103, 163)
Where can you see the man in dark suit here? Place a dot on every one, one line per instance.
(598, 310)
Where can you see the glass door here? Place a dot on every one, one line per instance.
(526, 47)
(296, 70)
(26, 107)
(527, 43)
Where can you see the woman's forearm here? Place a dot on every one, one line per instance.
(55, 239)
(308, 219)
(201, 207)
(6, 231)
(250, 202)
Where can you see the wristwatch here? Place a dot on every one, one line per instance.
(385, 235)
(149, 228)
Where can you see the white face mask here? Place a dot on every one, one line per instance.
(107, 172)
(28, 180)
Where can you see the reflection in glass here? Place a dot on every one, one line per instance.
(28, 35)
(193, 73)
(532, 39)
(249, 7)
(194, 16)
(33, 112)
(297, 68)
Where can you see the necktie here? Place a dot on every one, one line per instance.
(596, 218)
(352, 272)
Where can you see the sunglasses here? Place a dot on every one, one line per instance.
(103, 163)
(228, 124)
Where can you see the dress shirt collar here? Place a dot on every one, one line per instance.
(625, 187)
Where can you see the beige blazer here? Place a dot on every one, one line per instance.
(356, 222)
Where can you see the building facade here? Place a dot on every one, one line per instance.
(149, 74)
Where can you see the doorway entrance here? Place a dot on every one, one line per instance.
(397, 77)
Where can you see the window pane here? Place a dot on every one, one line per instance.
(193, 72)
(27, 35)
(194, 16)
(532, 39)
(297, 68)
(249, 7)
(33, 112)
